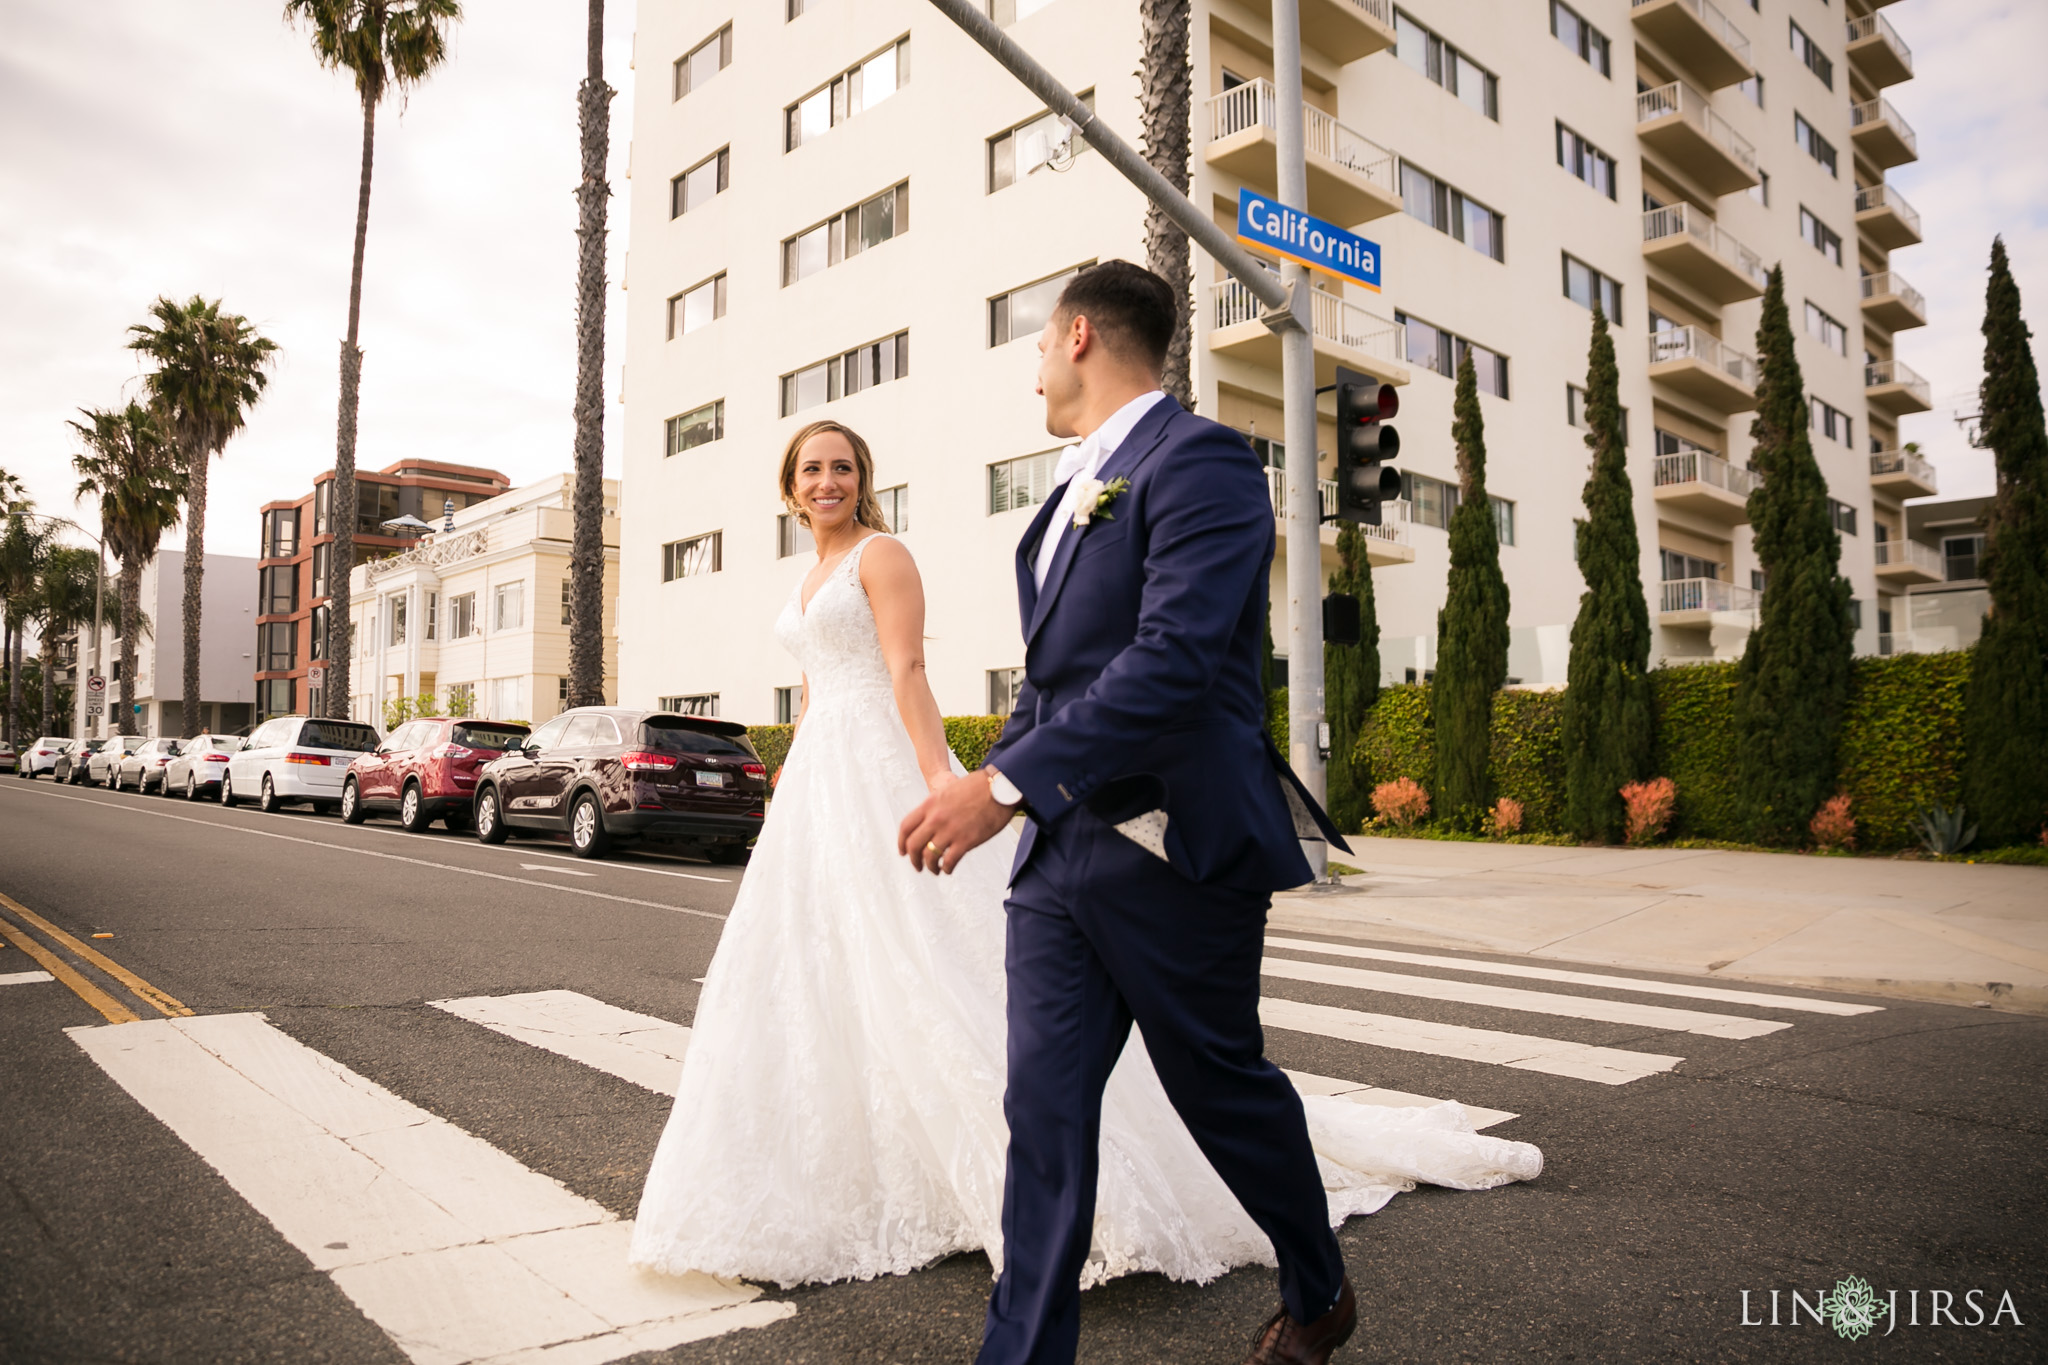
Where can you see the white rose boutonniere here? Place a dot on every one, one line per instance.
(1095, 498)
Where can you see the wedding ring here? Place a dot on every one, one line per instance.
(934, 850)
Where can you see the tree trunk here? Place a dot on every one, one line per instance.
(7, 643)
(342, 555)
(586, 553)
(197, 457)
(131, 613)
(49, 688)
(1167, 83)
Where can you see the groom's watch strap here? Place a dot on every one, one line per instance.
(1003, 789)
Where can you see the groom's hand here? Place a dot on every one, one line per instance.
(951, 822)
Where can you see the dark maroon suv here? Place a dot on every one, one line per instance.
(605, 775)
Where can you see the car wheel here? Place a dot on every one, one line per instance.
(227, 791)
(352, 812)
(490, 825)
(191, 786)
(268, 802)
(586, 828)
(412, 810)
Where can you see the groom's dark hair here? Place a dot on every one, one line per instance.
(1132, 308)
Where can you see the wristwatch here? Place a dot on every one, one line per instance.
(1002, 788)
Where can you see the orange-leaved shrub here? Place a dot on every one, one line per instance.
(1832, 827)
(1649, 808)
(1401, 803)
(1506, 817)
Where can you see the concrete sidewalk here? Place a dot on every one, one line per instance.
(1949, 932)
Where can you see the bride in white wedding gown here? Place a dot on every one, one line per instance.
(840, 1110)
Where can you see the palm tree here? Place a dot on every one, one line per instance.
(63, 606)
(385, 45)
(131, 466)
(586, 547)
(1166, 83)
(23, 548)
(209, 371)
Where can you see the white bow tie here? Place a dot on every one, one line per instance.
(1074, 459)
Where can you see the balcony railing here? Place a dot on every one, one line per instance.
(1381, 12)
(1885, 197)
(1880, 372)
(1689, 104)
(1704, 466)
(1882, 282)
(1875, 26)
(1675, 220)
(1334, 319)
(1880, 111)
(1682, 343)
(1925, 558)
(1393, 526)
(1714, 22)
(1903, 462)
(1256, 104)
(1704, 594)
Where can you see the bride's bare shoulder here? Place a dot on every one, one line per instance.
(885, 555)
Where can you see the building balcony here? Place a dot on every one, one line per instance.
(1890, 385)
(1345, 334)
(1694, 249)
(1676, 121)
(1697, 33)
(1881, 135)
(1891, 303)
(1351, 179)
(1885, 219)
(1703, 369)
(1696, 601)
(1343, 29)
(1906, 562)
(1902, 474)
(1877, 53)
(1701, 482)
(1385, 544)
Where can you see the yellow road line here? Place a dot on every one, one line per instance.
(115, 1012)
(165, 1004)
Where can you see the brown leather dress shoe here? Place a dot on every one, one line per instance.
(1283, 1341)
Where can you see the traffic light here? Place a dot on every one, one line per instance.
(1364, 442)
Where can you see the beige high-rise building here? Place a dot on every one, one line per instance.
(844, 208)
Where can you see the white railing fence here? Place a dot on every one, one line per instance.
(1876, 26)
(1925, 558)
(1881, 282)
(1880, 111)
(1333, 318)
(1689, 104)
(1704, 594)
(1682, 343)
(1256, 104)
(1885, 197)
(1714, 21)
(1903, 462)
(1683, 220)
(1704, 466)
(1879, 372)
(1393, 526)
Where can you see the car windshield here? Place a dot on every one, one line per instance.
(338, 734)
(52, 742)
(225, 744)
(677, 737)
(489, 736)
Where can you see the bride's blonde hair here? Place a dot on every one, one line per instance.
(867, 510)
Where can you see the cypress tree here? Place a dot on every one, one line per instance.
(1351, 683)
(1472, 628)
(2005, 702)
(1607, 712)
(1793, 681)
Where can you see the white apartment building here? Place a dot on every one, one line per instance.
(843, 209)
(227, 629)
(477, 617)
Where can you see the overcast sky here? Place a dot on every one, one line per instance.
(158, 148)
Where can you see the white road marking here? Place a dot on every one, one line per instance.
(456, 1250)
(1620, 983)
(1553, 1056)
(559, 871)
(634, 1047)
(1359, 1093)
(24, 978)
(1534, 1002)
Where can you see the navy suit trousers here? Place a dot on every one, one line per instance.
(1102, 934)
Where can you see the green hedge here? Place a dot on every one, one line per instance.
(971, 737)
(1527, 763)
(772, 743)
(1695, 747)
(1902, 742)
(1399, 738)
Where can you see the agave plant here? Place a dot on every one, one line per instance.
(1942, 830)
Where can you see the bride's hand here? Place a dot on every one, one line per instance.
(938, 782)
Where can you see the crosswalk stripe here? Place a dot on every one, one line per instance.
(1514, 998)
(456, 1250)
(1553, 1056)
(24, 978)
(1724, 995)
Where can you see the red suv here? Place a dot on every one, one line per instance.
(426, 770)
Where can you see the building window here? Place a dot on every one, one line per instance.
(279, 585)
(1832, 422)
(699, 185)
(1761, 190)
(1503, 519)
(1808, 51)
(1581, 37)
(461, 699)
(1432, 502)
(1676, 566)
(1433, 348)
(843, 235)
(277, 646)
(376, 503)
(462, 616)
(561, 693)
(276, 696)
(863, 367)
(689, 558)
(1812, 143)
(697, 307)
(1019, 151)
(1005, 685)
(316, 631)
(508, 698)
(1024, 312)
(322, 556)
(1826, 330)
(1961, 556)
(692, 704)
(1023, 482)
(1008, 12)
(699, 426)
(568, 593)
(1448, 210)
(433, 605)
(283, 539)
(508, 610)
(1842, 517)
(792, 537)
(704, 61)
(789, 704)
(1753, 90)
(1819, 235)
(394, 617)
(1416, 46)
(1575, 410)
(1585, 161)
(1586, 286)
(855, 91)
(323, 507)
(895, 503)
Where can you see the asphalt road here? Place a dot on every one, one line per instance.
(1907, 1145)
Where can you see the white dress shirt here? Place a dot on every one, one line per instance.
(1078, 462)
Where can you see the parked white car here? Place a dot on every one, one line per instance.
(296, 758)
(41, 756)
(100, 768)
(144, 769)
(8, 758)
(199, 766)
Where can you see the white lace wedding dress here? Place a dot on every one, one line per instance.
(840, 1110)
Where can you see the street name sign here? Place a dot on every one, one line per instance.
(1266, 225)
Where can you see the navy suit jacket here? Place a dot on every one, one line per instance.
(1142, 689)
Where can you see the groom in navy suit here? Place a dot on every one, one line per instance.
(1161, 820)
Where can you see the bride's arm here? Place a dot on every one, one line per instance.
(896, 593)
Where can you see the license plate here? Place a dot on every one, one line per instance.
(705, 779)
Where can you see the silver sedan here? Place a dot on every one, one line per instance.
(196, 770)
(103, 768)
(144, 768)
